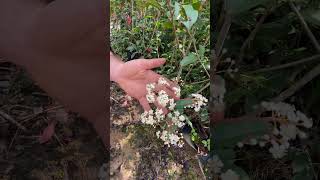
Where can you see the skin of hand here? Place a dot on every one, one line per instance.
(133, 76)
(62, 45)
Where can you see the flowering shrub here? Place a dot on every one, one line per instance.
(179, 32)
(265, 90)
(170, 123)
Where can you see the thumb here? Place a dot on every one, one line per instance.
(152, 63)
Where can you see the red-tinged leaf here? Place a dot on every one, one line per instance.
(47, 133)
(129, 20)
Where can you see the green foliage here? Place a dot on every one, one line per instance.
(175, 30)
(227, 134)
(264, 34)
(239, 6)
(180, 104)
(178, 32)
(191, 58)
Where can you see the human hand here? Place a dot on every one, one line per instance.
(133, 76)
(62, 45)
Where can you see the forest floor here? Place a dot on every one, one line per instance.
(73, 152)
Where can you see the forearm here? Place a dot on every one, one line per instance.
(115, 66)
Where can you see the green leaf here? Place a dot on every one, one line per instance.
(192, 16)
(167, 25)
(191, 58)
(153, 3)
(300, 163)
(180, 104)
(227, 134)
(196, 5)
(313, 16)
(176, 10)
(239, 6)
(202, 50)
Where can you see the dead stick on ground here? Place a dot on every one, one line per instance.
(10, 119)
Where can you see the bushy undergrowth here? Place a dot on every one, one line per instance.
(178, 31)
(265, 89)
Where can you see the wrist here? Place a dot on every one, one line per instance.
(116, 65)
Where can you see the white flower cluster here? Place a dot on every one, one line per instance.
(287, 123)
(218, 165)
(199, 101)
(172, 120)
(293, 116)
(177, 119)
(151, 117)
(162, 98)
(171, 138)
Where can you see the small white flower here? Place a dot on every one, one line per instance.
(172, 104)
(230, 175)
(159, 115)
(262, 143)
(170, 138)
(151, 97)
(163, 81)
(177, 119)
(180, 144)
(182, 118)
(278, 151)
(150, 87)
(148, 118)
(253, 141)
(240, 144)
(199, 101)
(302, 135)
(158, 134)
(177, 91)
(266, 137)
(288, 130)
(163, 98)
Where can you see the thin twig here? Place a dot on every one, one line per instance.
(220, 41)
(305, 60)
(200, 82)
(298, 85)
(310, 75)
(305, 26)
(223, 34)
(253, 33)
(10, 119)
(195, 48)
(12, 140)
(203, 88)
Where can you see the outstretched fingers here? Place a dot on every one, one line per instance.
(145, 104)
(151, 63)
